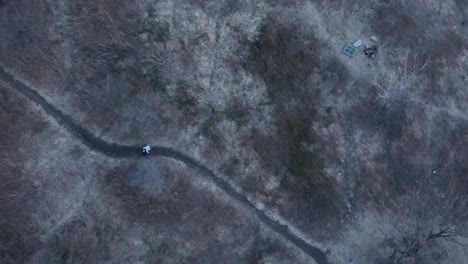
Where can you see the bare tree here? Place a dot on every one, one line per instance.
(395, 84)
(431, 212)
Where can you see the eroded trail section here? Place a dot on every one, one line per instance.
(124, 151)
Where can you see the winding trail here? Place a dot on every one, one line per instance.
(126, 151)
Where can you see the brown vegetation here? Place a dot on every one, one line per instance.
(259, 92)
(16, 233)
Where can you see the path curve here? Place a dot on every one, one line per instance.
(126, 151)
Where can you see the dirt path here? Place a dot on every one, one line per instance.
(123, 151)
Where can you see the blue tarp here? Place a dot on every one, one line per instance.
(350, 50)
